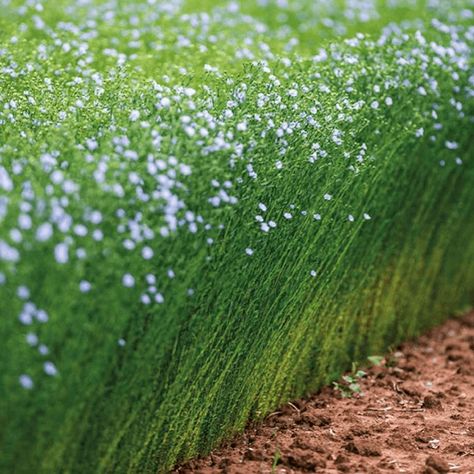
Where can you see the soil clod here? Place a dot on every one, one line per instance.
(438, 464)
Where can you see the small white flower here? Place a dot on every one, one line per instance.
(421, 90)
(129, 244)
(389, 101)
(57, 177)
(91, 144)
(42, 316)
(121, 342)
(23, 292)
(262, 207)
(317, 217)
(350, 218)
(85, 286)
(80, 230)
(50, 369)
(287, 215)
(97, 235)
(374, 105)
(185, 169)
(150, 279)
(7, 253)
(327, 197)
(313, 273)
(43, 350)
(24, 221)
(32, 339)
(44, 232)
(81, 253)
(25, 318)
(145, 299)
(16, 235)
(61, 253)
(128, 281)
(165, 102)
(134, 115)
(26, 381)
(367, 216)
(5, 181)
(147, 253)
(249, 251)
(159, 298)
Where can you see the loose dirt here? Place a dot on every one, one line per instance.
(415, 415)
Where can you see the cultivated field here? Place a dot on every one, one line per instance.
(210, 207)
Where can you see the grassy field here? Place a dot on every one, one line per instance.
(207, 208)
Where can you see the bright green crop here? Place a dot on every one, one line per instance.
(208, 208)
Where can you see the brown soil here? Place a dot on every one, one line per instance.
(415, 415)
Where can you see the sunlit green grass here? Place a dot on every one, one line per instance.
(361, 155)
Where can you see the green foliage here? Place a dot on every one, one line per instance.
(276, 459)
(376, 360)
(209, 208)
(350, 384)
